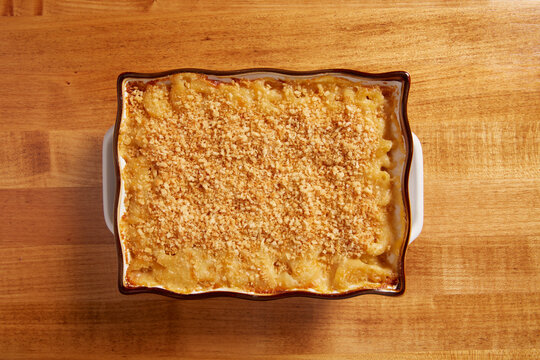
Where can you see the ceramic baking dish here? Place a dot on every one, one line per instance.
(411, 167)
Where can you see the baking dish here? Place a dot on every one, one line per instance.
(410, 167)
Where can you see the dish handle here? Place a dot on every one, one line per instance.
(416, 185)
(416, 190)
(109, 183)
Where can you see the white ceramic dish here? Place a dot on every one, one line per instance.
(409, 170)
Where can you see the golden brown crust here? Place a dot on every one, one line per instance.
(258, 186)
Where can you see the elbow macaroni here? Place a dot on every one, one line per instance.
(258, 186)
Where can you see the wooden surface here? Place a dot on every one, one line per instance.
(473, 276)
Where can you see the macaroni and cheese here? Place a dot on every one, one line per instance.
(258, 186)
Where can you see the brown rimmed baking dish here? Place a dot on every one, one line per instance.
(399, 78)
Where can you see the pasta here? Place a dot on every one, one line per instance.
(258, 186)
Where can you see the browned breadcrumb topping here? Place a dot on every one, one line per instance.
(256, 185)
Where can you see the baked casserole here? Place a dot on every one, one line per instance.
(260, 186)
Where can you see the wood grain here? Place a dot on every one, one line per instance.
(472, 276)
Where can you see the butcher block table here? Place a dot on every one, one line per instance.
(473, 275)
